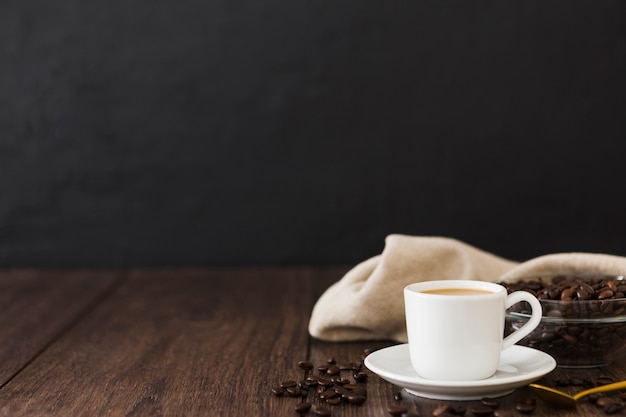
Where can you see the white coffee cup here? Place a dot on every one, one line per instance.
(459, 337)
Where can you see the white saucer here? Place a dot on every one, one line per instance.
(519, 365)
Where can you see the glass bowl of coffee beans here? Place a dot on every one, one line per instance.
(584, 317)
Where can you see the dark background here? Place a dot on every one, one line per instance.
(229, 132)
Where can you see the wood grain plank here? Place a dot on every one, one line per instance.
(176, 342)
(38, 306)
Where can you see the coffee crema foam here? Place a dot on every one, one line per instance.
(457, 291)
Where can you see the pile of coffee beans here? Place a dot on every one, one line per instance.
(329, 384)
(603, 297)
(569, 304)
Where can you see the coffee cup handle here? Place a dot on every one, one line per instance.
(531, 324)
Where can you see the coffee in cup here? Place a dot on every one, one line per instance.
(455, 328)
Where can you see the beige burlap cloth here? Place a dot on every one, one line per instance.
(368, 302)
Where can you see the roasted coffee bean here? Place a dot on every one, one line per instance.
(356, 399)
(342, 381)
(490, 402)
(289, 383)
(333, 370)
(528, 400)
(322, 411)
(502, 413)
(613, 408)
(481, 410)
(562, 382)
(604, 380)
(592, 398)
(303, 407)
(397, 410)
(441, 410)
(604, 294)
(333, 401)
(360, 391)
(306, 365)
(603, 401)
(327, 394)
(576, 382)
(398, 396)
(311, 382)
(331, 360)
(458, 410)
(360, 376)
(324, 382)
(525, 408)
(278, 391)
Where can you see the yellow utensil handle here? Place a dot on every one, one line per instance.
(603, 388)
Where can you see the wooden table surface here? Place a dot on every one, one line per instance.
(189, 342)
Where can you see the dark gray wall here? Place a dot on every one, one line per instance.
(214, 132)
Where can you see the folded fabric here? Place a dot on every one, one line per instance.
(368, 302)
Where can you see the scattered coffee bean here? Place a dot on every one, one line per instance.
(278, 391)
(356, 399)
(311, 382)
(458, 410)
(293, 391)
(576, 382)
(303, 407)
(613, 408)
(397, 410)
(593, 398)
(525, 408)
(502, 413)
(306, 365)
(360, 376)
(322, 411)
(324, 382)
(603, 401)
(481, 410)
(334, 400)
(398, 396)
(490, 402)
(289, 383)
(604, 380)
(333, 370)
(327, 394)
(441, 410)
(562, 382)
